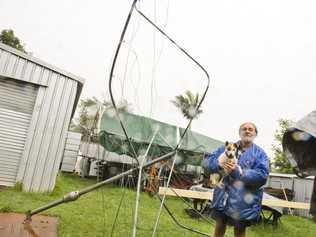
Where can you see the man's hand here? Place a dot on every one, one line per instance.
(229, 166)
(222, 160)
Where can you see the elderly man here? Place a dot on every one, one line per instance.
(238, 201)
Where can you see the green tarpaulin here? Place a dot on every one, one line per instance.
(141, 130)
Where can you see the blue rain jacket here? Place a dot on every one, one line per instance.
(241, 195)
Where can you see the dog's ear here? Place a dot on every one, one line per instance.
(226, 143)
(236, 145)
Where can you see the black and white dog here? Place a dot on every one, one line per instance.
(231, 153)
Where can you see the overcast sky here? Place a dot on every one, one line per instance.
(261, 55)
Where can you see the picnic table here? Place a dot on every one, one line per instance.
(201, 195)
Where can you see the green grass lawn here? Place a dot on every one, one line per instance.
(93, 214)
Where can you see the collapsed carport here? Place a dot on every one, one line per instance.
(299, 145)
(141, 130)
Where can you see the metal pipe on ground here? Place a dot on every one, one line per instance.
(74, 195)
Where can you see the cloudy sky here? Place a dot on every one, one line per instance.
(261, 55)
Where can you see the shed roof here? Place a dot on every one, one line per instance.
(42, 63)
(288, 176)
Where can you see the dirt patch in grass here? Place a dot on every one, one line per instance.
(13, 225)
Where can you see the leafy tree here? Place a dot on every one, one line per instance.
(122, 106)
(280, 162)
(85, 123)
(7, 37)
(90, 110)
(187, 104)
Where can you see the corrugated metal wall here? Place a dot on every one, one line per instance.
(71, 151)
(16, 110)
(57, 96)
(303, 191)
(97, 151)
(302, 188)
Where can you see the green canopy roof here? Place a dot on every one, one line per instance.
(141, 129)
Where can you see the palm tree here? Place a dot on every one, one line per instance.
(187, 104)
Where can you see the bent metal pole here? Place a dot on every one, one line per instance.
(74, 195)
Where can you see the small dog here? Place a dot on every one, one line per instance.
(231, 153)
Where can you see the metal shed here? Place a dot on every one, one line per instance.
(302, 188)
(37, 102)
(71, 151)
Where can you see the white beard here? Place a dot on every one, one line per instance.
(247, 139)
